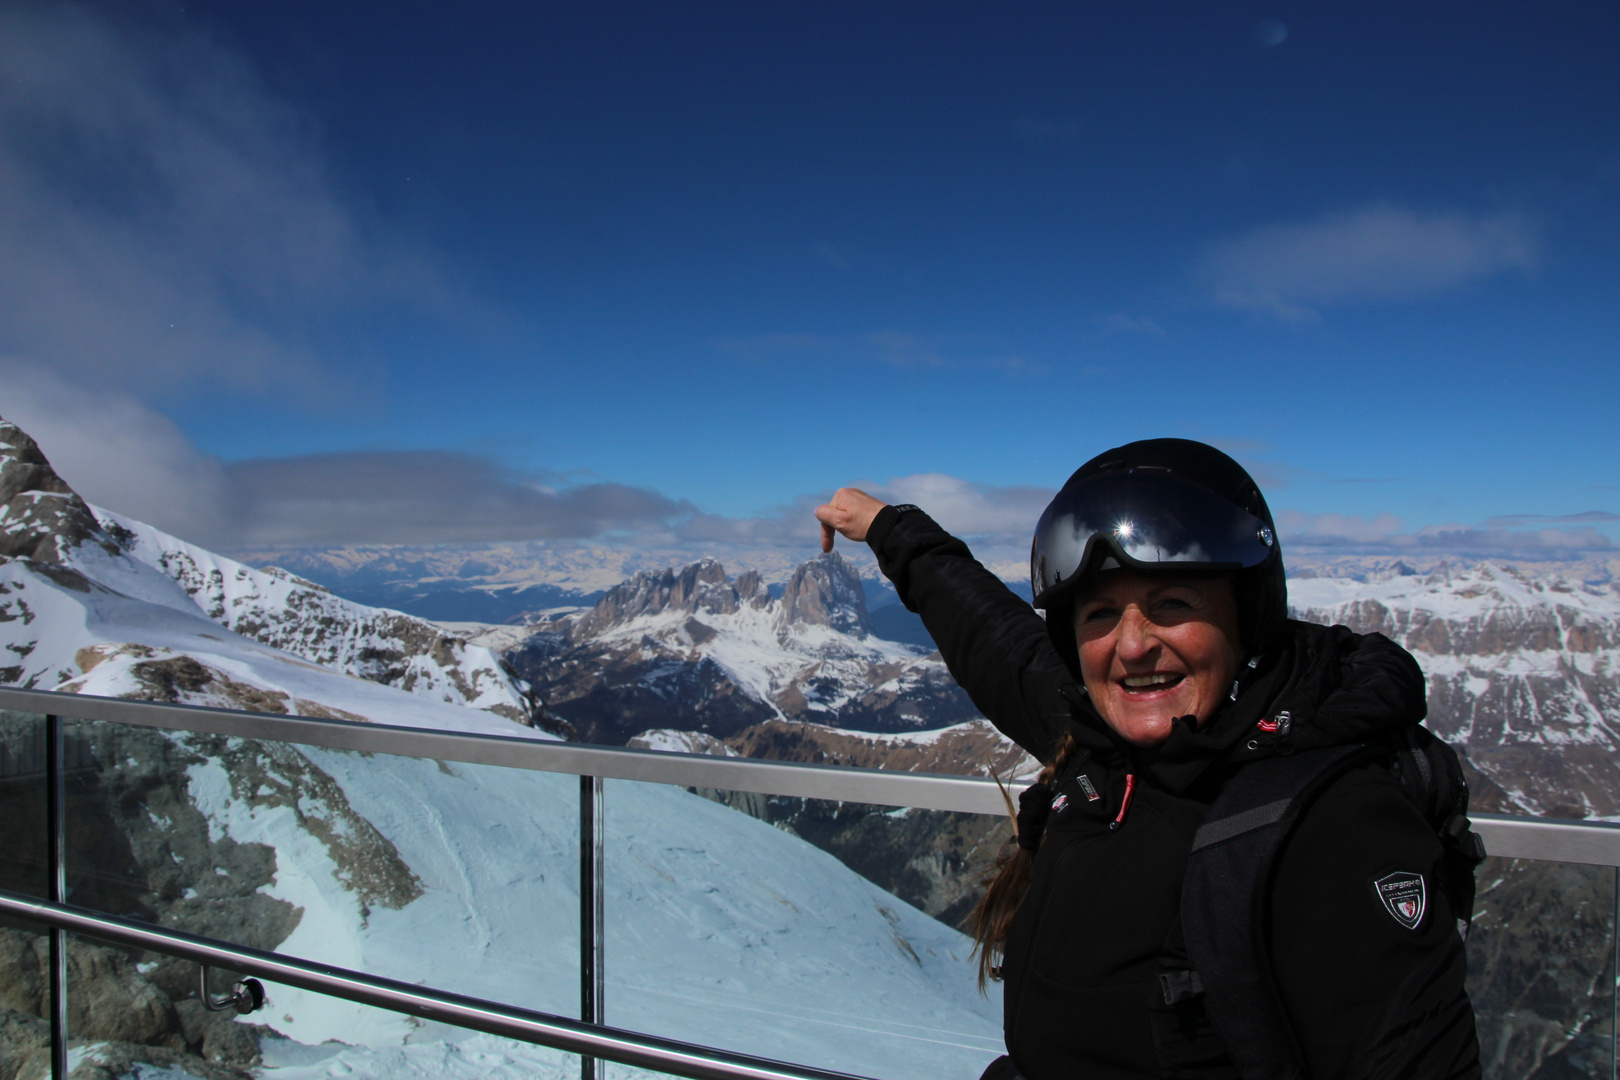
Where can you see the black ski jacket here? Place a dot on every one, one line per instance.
(1366, 996)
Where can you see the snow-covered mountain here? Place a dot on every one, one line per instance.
(497, 582)
(694, 650)
(1523, 670)
(720, 928)
(94, 603)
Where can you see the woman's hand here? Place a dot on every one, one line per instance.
(850, 512)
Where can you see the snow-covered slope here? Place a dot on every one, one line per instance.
(89, 606)
(300, 617)
(720, 929)
(1523, 670)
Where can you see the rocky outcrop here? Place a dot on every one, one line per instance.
(41, 518)
(825, 592)
(140, 846)
(702, 588)
(1541, 969)
(113, 1006)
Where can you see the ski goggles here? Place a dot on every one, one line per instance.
(1146, 519)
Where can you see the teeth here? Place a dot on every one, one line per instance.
(1138, 682)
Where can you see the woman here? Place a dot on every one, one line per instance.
(1164, 687)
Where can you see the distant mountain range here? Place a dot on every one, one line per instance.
(694, 650)
(1523, 671)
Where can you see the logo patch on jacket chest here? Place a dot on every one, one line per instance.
(1405, 896)
(1087, 787)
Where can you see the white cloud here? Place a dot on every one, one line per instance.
(1005, 514)
(117, 452)
(1377, 254)
(164, 219)
(120, 454)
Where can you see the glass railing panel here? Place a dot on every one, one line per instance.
(727, 929)
(24, 839)
(1541, 969)
(25, 1031)
(24, 977)
(460, 877)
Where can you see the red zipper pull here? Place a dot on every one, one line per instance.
(1125, 803)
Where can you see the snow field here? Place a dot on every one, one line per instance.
(720, 929)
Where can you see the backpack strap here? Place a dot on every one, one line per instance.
(1224, 901)
(1431, 775)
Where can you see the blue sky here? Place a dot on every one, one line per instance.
(631, 267)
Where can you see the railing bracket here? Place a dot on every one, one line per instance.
(247, 995)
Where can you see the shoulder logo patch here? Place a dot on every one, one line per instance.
(1087, 787)
(1405, 896)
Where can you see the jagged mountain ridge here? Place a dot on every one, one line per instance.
(285, 611)
(94, 603)
(1523, 665)
(695, 650)
(1523, 671)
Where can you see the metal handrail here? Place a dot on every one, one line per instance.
(1505, 835)
(923, 791)
(561, 1033)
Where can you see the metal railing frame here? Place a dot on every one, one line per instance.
(1506, 836)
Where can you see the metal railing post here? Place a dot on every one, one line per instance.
(56, 864)
(591, 973)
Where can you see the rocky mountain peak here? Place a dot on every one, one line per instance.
(41, 518)
(751, 590)
(701, 588)
(826, 592)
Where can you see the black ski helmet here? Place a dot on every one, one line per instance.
(1160, 505)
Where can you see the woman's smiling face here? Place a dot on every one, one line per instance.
(1153, 648)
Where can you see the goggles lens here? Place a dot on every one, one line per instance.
(1148, 520)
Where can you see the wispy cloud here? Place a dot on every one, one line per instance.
(1524, 536)
(165, 219)
(1377, 254)
(1520, 521)
(426, 497)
